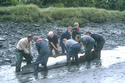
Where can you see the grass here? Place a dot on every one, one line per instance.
(63, 16)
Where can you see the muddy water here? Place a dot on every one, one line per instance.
(109, 70)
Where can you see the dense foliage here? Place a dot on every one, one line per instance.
(63, 16)
(106, 4)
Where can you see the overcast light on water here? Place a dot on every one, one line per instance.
(109, 57)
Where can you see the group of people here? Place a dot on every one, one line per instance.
(71, 42)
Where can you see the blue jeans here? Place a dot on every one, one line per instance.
(63, 47)
(73, 51)
(42, 59)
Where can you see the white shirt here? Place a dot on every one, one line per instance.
(24, 45)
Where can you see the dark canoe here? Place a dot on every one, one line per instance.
(53, 63)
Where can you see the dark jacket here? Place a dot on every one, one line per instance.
(42, 47)
(87, 40)
(66, 35)
(43, 51)
(97, 38)
(99, 41)
(75, 32)
(54, 40)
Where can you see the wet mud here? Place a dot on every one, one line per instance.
(110, 69)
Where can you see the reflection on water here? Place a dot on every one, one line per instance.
(88, 65)
(73, 68)
(109, 57)
(44, 74)
(41, 75)
(7, 74)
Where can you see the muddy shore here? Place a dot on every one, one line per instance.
(12, 32)
(113, 33)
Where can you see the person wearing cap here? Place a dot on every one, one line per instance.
(88, 44)
(23, 49)
(53, 42)
(100, 41)
(72, 47)
(43, 51)
(76, 30)
(65, 35)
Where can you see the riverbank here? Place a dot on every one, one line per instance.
(113, 33)
(13, 31)
(62, 16)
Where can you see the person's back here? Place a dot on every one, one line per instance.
(87, 39)
(42, 46)
(70, 42)
(73, 48)
(99, 41)
(98, 38)
(88, 43)
(43, 51)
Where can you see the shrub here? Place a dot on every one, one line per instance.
(63, 16)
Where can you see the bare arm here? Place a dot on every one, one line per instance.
(57, 46)
(30, 49)
(53, 46)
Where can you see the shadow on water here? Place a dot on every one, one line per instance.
(41, 75)
(109, 57)
(23, 79)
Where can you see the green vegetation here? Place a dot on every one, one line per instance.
(63, 16)
(106, 4)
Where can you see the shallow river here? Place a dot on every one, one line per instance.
(110, 69)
